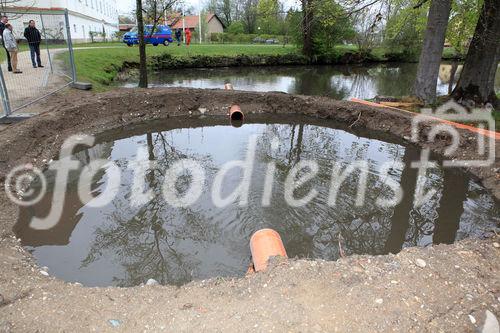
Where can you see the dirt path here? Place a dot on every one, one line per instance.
(358, 294)
(34, 83)
(445, 288)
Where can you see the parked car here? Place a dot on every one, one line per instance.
(272, 41)
(258, 40)
(162, 34)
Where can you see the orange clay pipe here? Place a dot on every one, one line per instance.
(264, 244)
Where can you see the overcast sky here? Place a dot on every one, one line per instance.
(126, 6)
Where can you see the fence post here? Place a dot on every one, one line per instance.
(4, 95)
(70, 46)
(46, 43)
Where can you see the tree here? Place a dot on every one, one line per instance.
(249, 15)
(463, 20)
(154, 11)
(432, 51)
(236, 27)
(307, 27)
(477, 80)
(226, 9)
(143, 70)
(366, 30)
(404, 29)
(268, 16)
(330, 26)
(319, 26)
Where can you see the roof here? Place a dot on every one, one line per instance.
(126, 27)
(191, 21)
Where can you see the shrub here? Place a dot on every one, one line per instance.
(230, 38)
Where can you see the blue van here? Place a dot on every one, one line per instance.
(161, 35)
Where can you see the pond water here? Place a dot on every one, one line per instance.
(338, 82)
(121, 245)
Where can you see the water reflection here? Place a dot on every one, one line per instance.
(338, 82)
(124, 246)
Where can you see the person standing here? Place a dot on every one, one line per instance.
(10, 44)
(178, 36)
(187, 34)
(3, 21)
(34, 39)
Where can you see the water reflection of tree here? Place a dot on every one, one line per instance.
(162, 243)
(339, 81)
(314, 230)
(451, 206)
(394, 80)
(402, 212)
(147, 241)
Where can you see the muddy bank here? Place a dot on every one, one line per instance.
(360, 293)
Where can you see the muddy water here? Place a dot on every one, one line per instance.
(125, 246)
(339, 82)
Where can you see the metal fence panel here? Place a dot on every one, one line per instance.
(56, 55)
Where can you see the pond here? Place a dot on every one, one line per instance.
(338, 82)
(120, 244)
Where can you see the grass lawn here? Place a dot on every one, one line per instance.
(100, 65)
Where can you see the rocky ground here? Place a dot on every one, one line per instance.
(446, 288)
(437, 289)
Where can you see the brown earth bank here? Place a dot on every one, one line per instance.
(431, 289)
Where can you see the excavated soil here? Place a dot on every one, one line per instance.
(444, 288)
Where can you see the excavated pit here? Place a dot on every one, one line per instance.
(352, 282)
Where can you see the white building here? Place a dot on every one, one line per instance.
(85, 17)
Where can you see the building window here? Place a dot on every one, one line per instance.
(74, 27)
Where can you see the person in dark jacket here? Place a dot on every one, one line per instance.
(34, 39)
(178, 36)
(3, 22)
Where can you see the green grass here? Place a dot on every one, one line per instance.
(100, 66)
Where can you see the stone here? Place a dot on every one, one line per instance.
(496, 245)
(379, 301)
(420, 263)
(491, 324)
(114, 322)
(152, 282)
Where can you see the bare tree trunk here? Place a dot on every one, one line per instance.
(477, 80)
(307, 18)
(432, 51)
(143, 70)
